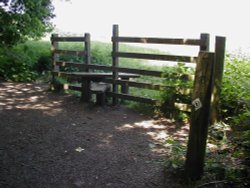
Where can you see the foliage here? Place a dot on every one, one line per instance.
(176, 78)
(25, 62)
(22, 20)
(224, 165)
(15, 66)
(235, 95)
(176, 153)
(101, 53)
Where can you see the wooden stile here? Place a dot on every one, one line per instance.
(206, 90)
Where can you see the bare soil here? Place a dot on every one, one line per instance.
(51, 140)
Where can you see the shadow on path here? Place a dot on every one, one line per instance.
(52, 140)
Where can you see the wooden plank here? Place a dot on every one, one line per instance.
(93, 75)
(138, 84)
(70, 52)
(68, 39)
(173, 41)
(205, 42)
(203, 85)
(220, 45)
(109, 68)
(132, 98)
(187, 59)
(158, 87)
(69, 64)
(127, 70)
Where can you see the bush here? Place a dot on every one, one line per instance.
(177, 78)
(16, 66)
(235, 95)
(25, 62)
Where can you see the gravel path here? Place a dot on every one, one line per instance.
(52, 140)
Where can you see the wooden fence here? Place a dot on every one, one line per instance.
(202, 43)
(206, 89)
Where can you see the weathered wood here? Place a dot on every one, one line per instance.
(93, 75)
(68, 39)
(54, 46)
(138, 84)
(161, 57)
(110, 68)
(87, 55)
(85, 93)
(132, 98)
(205, 42)
(70, 52)
(203, 85)
(173, 41)
(115, 62)
(69, 64)
(220, 43)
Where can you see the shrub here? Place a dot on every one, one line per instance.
(177, 78)
(235, 95)
(16, 66)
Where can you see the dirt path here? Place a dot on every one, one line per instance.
(51, 140)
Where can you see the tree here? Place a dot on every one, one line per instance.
(24, 19)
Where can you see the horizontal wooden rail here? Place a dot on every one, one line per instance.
(68, 39)
(179, 106)
(120, 69)
(138, 84)
(173, 41)
(110, 68)
(187, 59)
(158, 87)
(70, 64)
(132, 98)
(70, 52)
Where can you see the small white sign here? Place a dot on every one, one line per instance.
(197, 104)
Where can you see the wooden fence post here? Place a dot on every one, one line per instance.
(55, 57)
(85, 93)
(200, 116)
(205, 42)
(220, 43)
(87, 55)
(115, 61)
